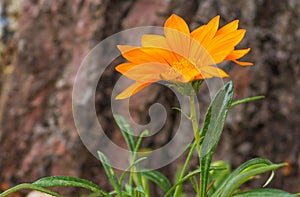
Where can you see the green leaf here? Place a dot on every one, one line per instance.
(158, 178)
(195, 184)
(256, 162)
(28, 186)
(218, 176)
(246, 100)
(264, 192)
(196, 84)
(140, 189)
(215, 119)
(133, 175)
(129, 168)
(236, 181)
(110, 173)
(190, 175)
(126, 132)
(212, 129)
(54, 181)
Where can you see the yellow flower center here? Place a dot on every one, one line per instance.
(182, 65)
(185, 69)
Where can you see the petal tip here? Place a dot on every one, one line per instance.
(120, 97)
(216, 18)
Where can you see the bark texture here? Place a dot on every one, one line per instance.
(42, 55)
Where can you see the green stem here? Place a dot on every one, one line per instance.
(197, 140)
(193, 118)
(187, 161)
(134, 172)
(204, 166)
(194, 122)
(28, 186)
(203, 161)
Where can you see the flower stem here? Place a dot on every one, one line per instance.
(194, 121)
(183, 170)
(203, 161)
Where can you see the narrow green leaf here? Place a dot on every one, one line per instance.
(128, 188)
(246, 100)
(264, 192)
(205, 126)
(136, 177)
(139, 141)
(126, 132)
(215, 119)
(219, 175)
(28, 186)
(158, 178)
(195, 184)
(245, 166)
(54, 181)
(182, 171)
(204, 166)
(181, 111)
(129, 168)
(189, 175)
(110, 173)
(238, 180)
(140, 189)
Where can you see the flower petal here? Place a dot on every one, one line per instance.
(177, 35)
(124, 67)
(205, 33)
(177, 23)
(236, 54)
(147, 72)
(221, 46)
(149, 40)
(199, 55)
(230, 27)
(136, 54)
(131, 90)
(226, 40)
(126, 48)
(243, 63)
(156, 41)
(139, 55)
(190, 75)
(212, 71)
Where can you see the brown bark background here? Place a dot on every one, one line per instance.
(45, 41)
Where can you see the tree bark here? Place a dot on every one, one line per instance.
(38, 137)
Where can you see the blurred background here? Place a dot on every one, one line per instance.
(43, 43)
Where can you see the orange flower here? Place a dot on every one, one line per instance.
(181, 56)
